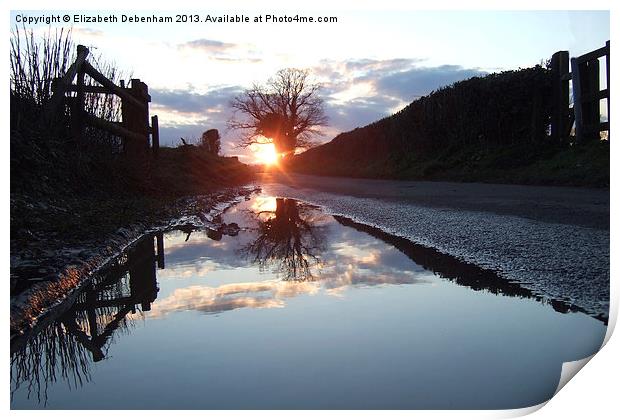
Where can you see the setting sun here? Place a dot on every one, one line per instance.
(266, 154)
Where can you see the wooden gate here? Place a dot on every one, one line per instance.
(134, 128)
(587, 94)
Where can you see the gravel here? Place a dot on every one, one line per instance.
(552, 240)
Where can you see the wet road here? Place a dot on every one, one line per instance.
(552, 240)
(286, 307)
(588, 207)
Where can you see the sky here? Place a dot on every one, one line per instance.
(370, 63)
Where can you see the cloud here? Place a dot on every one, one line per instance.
(357, 92)
(208, 45)
(186, 113)
(420, 81)
(360, 111)
(187, 101)
(361, 91)
(80, 31)
(223, 51)
(236, 60)
(385, 66)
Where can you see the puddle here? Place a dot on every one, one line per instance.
(287, 307)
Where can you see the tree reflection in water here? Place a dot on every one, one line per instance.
(288, 240)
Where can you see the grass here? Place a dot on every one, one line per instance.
(584, 165)
(190, 170)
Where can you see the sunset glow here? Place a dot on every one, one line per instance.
(416, 53)
(265, 154)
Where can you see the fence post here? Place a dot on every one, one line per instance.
(559, 120)
(79, 127)
(77, 113)
(126, 117)
(155, 134)
(591, 110)
(142, 274)
(608, 90)
(136, 119)
(160, 250)
(61, 85)
(577, 99)
(141, 124)
(144, 117)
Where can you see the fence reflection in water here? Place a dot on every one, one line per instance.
(63, 349)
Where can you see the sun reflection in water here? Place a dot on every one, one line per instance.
(264, 204)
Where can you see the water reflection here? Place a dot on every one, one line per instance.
(460, 272)
(284, 243)
(288, 240)
(227, 297)
(63, 347)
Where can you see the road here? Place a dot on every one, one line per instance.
(587, 207)
(553, 240)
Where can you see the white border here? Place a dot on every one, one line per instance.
(592, 395)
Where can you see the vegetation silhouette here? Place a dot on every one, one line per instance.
(210, 140)
(482, 112)
(491, 128)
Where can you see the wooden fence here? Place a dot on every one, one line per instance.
(587, 94)
(134, 128)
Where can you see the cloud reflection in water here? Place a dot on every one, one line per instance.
(306, 251)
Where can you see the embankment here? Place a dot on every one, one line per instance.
(487, 129)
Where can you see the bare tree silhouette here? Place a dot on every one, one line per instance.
(286, 111)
